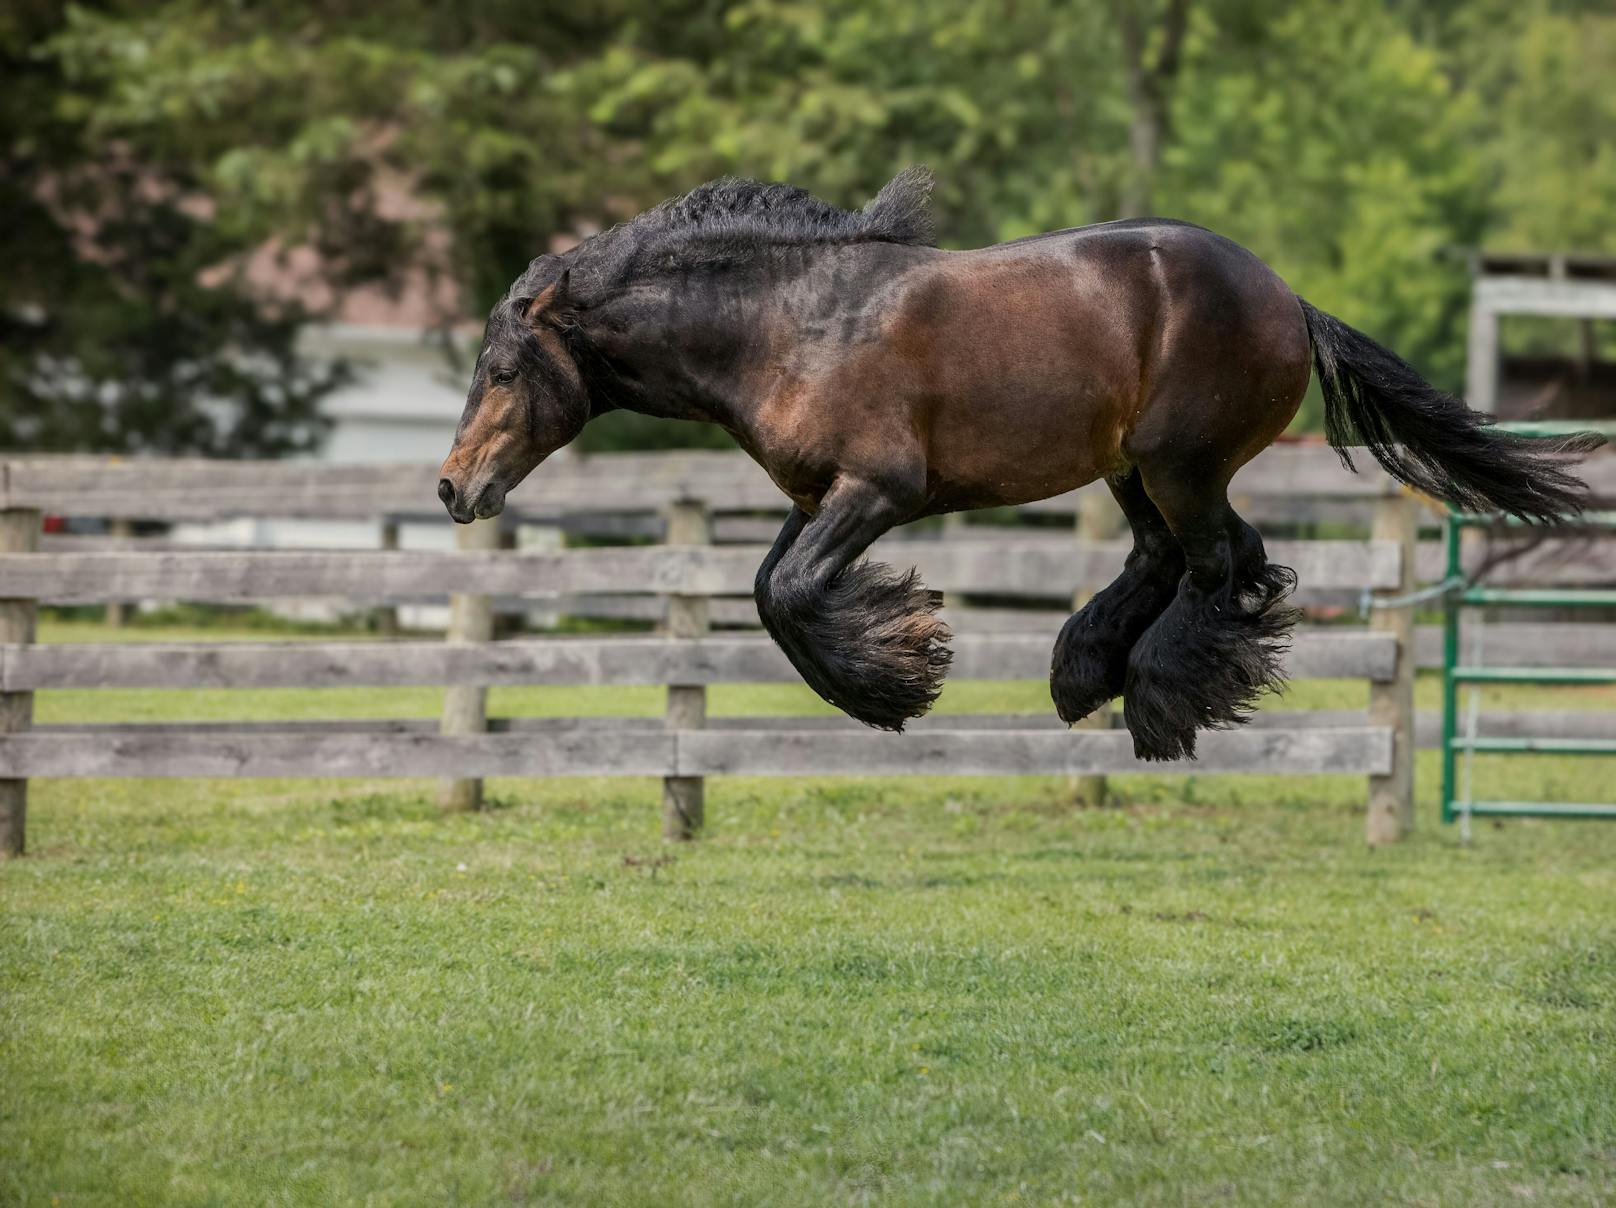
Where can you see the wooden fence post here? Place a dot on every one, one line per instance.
(387, 614)
(121, 528)
(19, 534)
(465, 706)
(1098, 519)
(684, 797)
(1391, 702)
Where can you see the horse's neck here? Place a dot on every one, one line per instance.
(711, 353)
(687, 358)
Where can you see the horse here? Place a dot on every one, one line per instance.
(878, 379)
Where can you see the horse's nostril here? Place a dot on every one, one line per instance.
(446, 491)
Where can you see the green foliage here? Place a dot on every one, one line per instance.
(122, 324)
(1333, 143)
(1352, 143)
(1555, 153)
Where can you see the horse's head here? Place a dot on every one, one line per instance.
(527, 400)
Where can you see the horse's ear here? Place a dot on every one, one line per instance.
(549, 306)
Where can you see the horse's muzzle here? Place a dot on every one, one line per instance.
(489, 500)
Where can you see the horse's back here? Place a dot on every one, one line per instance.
(1085, 347)
(1149, 252)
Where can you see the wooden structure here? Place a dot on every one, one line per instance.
(1576, 287)
(694, 586)
(465, 705)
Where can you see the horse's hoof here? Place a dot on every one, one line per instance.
(1204, 668)
(1086, 670)
(897, 672)
(1075, 700)
(1163, 729)
(870, 643)
(1155, 742)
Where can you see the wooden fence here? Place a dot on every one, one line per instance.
(691, 582)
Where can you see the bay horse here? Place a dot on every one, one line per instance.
(878, 379)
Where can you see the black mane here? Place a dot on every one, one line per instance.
(751, 211)
(727, 220)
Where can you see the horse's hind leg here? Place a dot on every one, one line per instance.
(1091, 654)
(1218, 646)
(863, 636)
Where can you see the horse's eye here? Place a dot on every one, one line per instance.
(503, 377)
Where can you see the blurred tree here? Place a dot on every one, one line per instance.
(1330, 141)
(114, 334)
(1553, 151)
(1151, 56)
(1349, 142)
(1319, 133)
(365, 133)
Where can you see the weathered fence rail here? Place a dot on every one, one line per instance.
(693, 585)
(1002, 567)
(1295, 476)
(682, 753)
(1565, 723)
(1316, 654)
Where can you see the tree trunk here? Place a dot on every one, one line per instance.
(1150, 78)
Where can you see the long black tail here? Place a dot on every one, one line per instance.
(1431, 440)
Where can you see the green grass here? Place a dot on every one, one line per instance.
(917, 991)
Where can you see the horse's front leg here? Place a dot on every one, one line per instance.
(863, 636)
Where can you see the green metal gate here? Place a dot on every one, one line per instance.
(1463, 595)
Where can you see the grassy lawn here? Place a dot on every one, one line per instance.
(853, 991)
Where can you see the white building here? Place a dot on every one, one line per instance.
(407, 397)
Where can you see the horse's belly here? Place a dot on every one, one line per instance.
(1017, 455)
(1028, 372)
(1027, 421)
